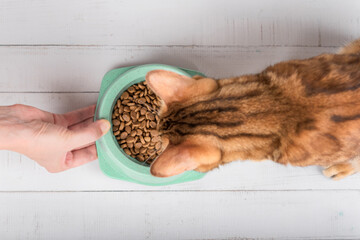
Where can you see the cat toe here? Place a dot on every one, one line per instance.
(339, 171)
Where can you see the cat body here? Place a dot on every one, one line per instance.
(299, 112)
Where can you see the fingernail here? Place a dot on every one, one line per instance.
(104, 126)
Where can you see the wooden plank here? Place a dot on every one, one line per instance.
(19, 173)
(181, 215)
(80, 69)
(186, 22)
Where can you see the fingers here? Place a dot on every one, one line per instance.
(79, 157)
(79, 115)
(83, 136)
(82, 124)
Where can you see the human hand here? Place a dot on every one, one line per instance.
(55, 141)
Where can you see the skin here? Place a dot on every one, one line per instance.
(57, 142)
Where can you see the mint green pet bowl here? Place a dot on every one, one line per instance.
(114, 162)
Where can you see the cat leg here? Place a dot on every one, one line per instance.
(351, 48)
(342, 170)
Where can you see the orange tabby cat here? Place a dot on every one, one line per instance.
(301, 112)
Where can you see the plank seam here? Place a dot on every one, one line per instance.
(190, 191)
(159, 46)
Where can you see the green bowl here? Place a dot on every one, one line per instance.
(114, 162)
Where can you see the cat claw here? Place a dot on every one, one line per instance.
(339, 171)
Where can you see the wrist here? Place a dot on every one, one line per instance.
(7, 138)
(9, 129)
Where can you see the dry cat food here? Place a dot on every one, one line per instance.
(134, 123)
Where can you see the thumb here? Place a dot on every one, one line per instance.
(89, 134)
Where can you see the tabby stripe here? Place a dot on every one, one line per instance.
(228, 136)
(218, 109)
(334, 139)
(338, 118)
(251, 94)
(254, 114)
(218, 124)
(307, 124)
(314, 91)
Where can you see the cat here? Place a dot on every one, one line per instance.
(298, 112)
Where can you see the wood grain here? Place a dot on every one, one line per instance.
(53, 55)
(185, 22)
(181, 215)
(80, 69)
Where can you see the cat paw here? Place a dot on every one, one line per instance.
(339, 171)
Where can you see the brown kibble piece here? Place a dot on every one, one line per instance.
(121, 109)
(147, 115)
(150, 151)
(125, 95)
(131, 89)
(152, 124)
(116, 122)
(134, 120)
(158, 145)
(126, 117)
(127, 151)
(143, 111)
(142, 140)
(133, 115)
(136, 124)
(123, 135)
(142, 100)
(122, 125)
(128, 129)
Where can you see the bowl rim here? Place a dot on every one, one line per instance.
(114, 155)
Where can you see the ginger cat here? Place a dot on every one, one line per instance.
(299, 112)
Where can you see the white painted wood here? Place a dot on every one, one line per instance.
(17, 173)
(181, 215)
(70, 45)
(181, 22)
(80, 69)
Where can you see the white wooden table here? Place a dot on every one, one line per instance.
(53, 55)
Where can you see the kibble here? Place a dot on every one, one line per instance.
(135, 121)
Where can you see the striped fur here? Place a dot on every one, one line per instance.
(299, 112)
